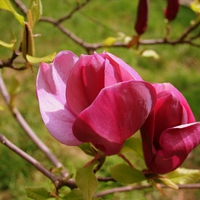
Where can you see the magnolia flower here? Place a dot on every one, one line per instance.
(170, 132)
(95, 98)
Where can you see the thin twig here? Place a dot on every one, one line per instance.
(94, 46)
(90, 47)
(57, 180)
(21, 6)
(125, 159)
(28, 129)
(77, 8)
(9, 62)
(141, 187)
(188, 30)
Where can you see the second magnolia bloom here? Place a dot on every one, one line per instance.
(95, 98)
(170, 132)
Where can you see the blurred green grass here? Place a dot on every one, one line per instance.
(179, 65)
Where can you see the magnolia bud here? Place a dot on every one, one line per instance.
(172, 9)
(142, 16)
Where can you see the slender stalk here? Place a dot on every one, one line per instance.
(22, 122)
(57, 180)
(77, 8)
(90, 47)
(141, 187)
(125, 159)
(21, 6)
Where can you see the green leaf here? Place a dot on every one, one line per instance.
(47, 58)
(150, 54)
(36, 10)
(169, 183)
(2, 107)
(134, 144)
(87, 181)
(87, 148)
(14, 86)
(75, 194)
(127, 175)
(109, 41)
(6, 5)
(14, 89)
(132, 150)
(7, 45)
(37, 193)
(184, 176)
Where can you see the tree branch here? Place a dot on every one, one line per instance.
(94, 46)
(140, 187)
(77, 8)
(22, 122)
(21, 6)
(9, 62)
(57, 180)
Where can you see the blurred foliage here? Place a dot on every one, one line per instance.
(100, 19)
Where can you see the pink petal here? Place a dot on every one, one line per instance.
(180, 140)
(169, 88)
(126, 72)
(160, 165)
(168, 113)
(116, 114)
(51, 87)
(147, 134)
(176, 144)
(85, 82)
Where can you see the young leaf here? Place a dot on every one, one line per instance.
(1, 108)
(88, 149)
(125, 174)
(150, 54)
(37, 193)
(7, 45)
(169, 183)
(14, 89)
(47, 58)
(14, 86)
(75, 194)
(6, 5)
(135, 144)
(109, 41)
(35, 10)
(184, 176)
(28, 41)
(132, 150)
(195, 6)
(86, 181)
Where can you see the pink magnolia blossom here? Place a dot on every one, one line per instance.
(170, 132)
(95, 98)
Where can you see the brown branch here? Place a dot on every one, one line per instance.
(57, 180)
(9, 62)
(90, 47)
(87, 46)
(77, 8)
(20, 6)
(141, 187)
(94, 46)
(106, 179)
(188, 30)
(22, 122)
